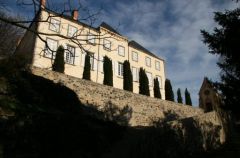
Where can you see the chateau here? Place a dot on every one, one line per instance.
(55, 29)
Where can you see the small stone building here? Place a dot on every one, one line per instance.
(209, 98)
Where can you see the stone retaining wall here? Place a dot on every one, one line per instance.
(144, 109)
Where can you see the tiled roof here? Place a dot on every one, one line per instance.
(108, 27)
(133, 44)
(137, 46)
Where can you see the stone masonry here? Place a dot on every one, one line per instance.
(145, 109)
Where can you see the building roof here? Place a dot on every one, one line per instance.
(137, 46)
(207, 84)
(108, 27)
(68, 17)
(132, 43)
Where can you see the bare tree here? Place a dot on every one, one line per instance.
(68, 8)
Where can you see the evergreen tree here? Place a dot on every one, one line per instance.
(156, 89)
(169, 95)
(87, 68)
(143, 83)
(108, 72)
(127, 76)
(58, 64)
(188, 99)
(179, 96)
(224, 41)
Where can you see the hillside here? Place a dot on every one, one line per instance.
(41, 118)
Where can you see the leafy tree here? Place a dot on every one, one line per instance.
(179, 96)
(87, 68)
(143, 83)
(108, 72)
(59, 63)
(188, 99)
(127, 76)
(169, 95)
(224, 41)
(156, 89)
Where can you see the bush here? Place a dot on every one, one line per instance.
(87, 68)
(108, 72)
(58, 64)
(168, 91)
(156, 89)
(143, 83)
(127, 76)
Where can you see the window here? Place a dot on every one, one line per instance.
(72, 31)
(134, 56)
(159, 81)
(91, 38)
(135, 73)
(106, 44)
(51, 48)
(70, 54)
(148, 61)
(121, 50)
(157, 65)
(92, 60)
(149, 76)
(120, 69)
(54, 25)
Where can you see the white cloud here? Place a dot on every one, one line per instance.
(171, 29)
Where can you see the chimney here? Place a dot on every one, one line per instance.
(75, 14)
(43, 3)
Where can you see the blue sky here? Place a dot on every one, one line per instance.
(168, 28)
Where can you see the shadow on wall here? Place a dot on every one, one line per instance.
(50, 121)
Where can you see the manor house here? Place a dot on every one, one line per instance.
(50, 30)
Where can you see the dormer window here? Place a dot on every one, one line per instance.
(72, 31)
(54, 25)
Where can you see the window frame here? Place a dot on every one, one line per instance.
(52, 24)
(104, 45)
(151, 79)
(71, 56)
(137, 74)
(133, 59)
(159, 81)
(146, 63)
(89, 40)
(120, 46)
(74, 33)
(53, 53)
(157, 68)
(120, 69)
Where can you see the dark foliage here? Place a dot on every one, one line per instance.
(188, 99)
(59, 64)
(224, 41)
(9, 35)
(87, 68)
(108, 71)
(115, 114)
(169, 95)
(179, 96)
(127, 76)
(156, 89)
(143, 83)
